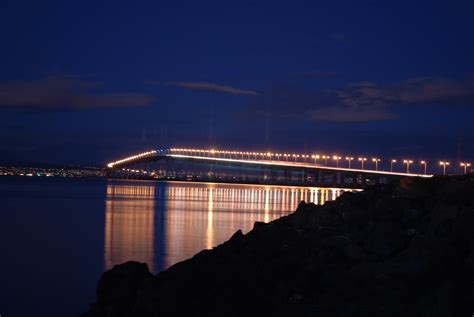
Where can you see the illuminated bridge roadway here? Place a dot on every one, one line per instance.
(248, 167)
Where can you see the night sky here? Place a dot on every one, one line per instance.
(86, 82)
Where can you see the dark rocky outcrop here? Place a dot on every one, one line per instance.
(403, 249)
(117, 289)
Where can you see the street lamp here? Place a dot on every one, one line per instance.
(336, 158)
(376, 161)
(424, 163)
(325, 158)
(316, 158)
(362, 160)
(408, 162)
(444, 164)
(391, 164)
(465, 165)
(349, 159)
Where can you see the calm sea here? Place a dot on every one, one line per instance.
(58, 235)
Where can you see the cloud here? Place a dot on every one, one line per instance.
(412, 92)
(436, 90)
(65, 93)
(206, 86)
(362, 84)
(347, 114)
(314, 74)
(366, 101)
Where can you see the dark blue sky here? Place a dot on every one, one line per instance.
(88, 82)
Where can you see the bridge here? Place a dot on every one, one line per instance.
(209, 165)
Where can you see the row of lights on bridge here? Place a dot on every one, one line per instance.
(295, 157)
(132, 158)
(325, 158)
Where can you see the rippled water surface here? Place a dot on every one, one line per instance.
(58, 235)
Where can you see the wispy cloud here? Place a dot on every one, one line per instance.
(65, 93)
(415, 91)
(366, 101)
(207, 86)
(314, 74)
(350, 114)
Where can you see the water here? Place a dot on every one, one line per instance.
(58, 235)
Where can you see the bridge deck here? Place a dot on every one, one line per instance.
(295, 164)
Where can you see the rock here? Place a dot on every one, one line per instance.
(117, 289)
(386, 240)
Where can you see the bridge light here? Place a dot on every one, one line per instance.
(325, 158)
(362, 160)
(408, 162)
(424, 163)
(391, 164)
(376, 161)
(465, 165)
(444, 164)
(349, 159)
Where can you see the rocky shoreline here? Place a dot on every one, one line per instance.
(402, 249)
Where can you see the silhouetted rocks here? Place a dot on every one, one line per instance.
(404, 249)
(117, 289)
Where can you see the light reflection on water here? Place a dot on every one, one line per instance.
(183, 218)
(129, 225)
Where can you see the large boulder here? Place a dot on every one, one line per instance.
(117, 289)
